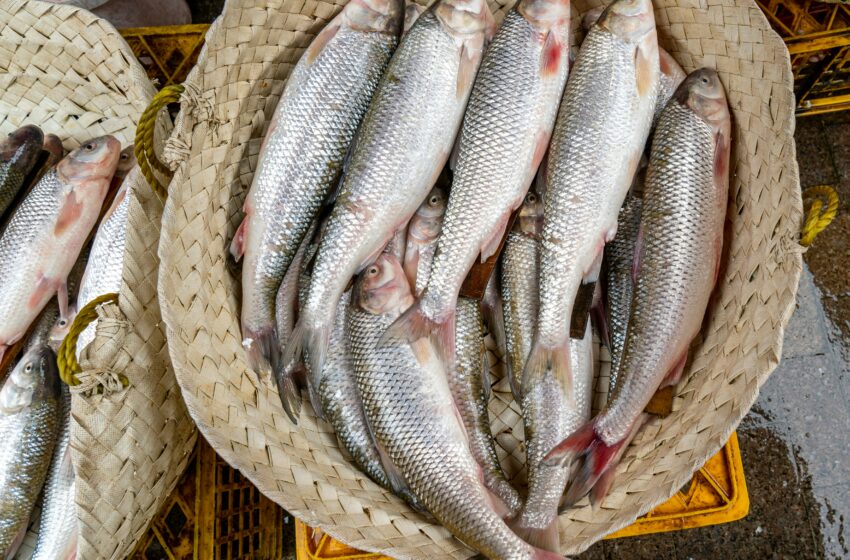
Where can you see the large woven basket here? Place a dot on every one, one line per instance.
(238, 85)
(73, 75)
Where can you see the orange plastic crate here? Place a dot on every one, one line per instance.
(716, 494)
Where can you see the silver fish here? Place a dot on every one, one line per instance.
(18, 155)
(401, 147)
(302, 156)
(57, 534)
(105, 267)
(505, 133)
(411, 411)
(422, 233)
(46, 233)
(678, 260)
(520, 269)
(29, 427)
(596, 147)
(469, 381)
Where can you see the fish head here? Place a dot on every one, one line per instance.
(530, 220)
(630, 20)
(464, 18)
(427, 223)
(703, 92)
(591, 17)
(378, 16)
(53, 145)
(93, 161)
(382, 287)
(22, 146)
(60, 328)
(126, 161)
(545, 13)
(35, 377)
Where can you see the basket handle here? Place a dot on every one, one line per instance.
(817, 218)
(144, 150)
(66, 358)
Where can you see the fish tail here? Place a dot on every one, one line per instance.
(544, 539)
(414, 324)
(543, 359)
(290, 396)
(598, 461)
(237, 245)
(261, 348)
(296, 348)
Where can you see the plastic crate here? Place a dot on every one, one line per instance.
(716, 494)
(817, 35)
(167, 53)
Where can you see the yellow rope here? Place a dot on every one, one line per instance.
(67, 356)
(144, 150)
(817, 218)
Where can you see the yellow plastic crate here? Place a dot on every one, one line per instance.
(167, 53)
(716, 494)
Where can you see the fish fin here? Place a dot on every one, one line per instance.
(3, 348)
(308, 344)
(468, 68)
(290, 396)
(645, 63)
(69, 213)
(546, 539)
(62, 296)
(601, 488)
(721, 156)
(322, 39)
(557, 360)
(491, 246)
(568, 449)
(43, 290)
(553, 53)
(261, 348)
(397, 482)
(413, 325)
(675, 374)
(637, 260)
(237, 246)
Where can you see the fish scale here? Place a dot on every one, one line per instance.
(300, 162)
(18, 154)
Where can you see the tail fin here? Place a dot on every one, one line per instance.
(237, 245)
(598, 458)
(414, 324)
(313, 345)
(290, 396)
(261, 348)
(546, 538)
(557, 360)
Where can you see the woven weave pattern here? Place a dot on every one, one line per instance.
(236, 88)
(73, 75)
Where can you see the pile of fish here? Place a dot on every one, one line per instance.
(51, 202)
(401, 156)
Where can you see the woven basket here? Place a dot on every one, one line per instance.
(301, 467)
(73, 75)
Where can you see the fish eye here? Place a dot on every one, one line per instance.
(125, 157)
(433, 200)
(28, 368)
(63, 322)
(89, 147)
(705, 80)
(373, 271)
(531, 198)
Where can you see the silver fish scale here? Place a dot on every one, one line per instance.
(423, 268)
(594, 138)
(11, 181)
(406, 407)
(681, 220)
(520, 270)
(509, 104)
(58, 529)
(550, 416)
(303, 154)
(620, 254)
(341, 401)
(20, 252)
(28, 440)
(407, 131)
(105, 266)
(465, 381)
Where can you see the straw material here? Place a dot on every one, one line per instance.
(73, 75)
(301, 467)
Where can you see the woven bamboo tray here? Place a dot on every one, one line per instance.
(228, 105)
(73, 75)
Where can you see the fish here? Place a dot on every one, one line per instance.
(469, 381)
(505, 134)
(29, 427)
(677, 264)
(126, 162)
(619, 283)
(398, 155)
(302, 155)
(55, 153)
(596, 147)
(519, 270)
(46, 233)
(421, 242)
(105, 268)
(494, 320)
(19, 153)
(412, 11)
(412, 414)
(57, 533)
